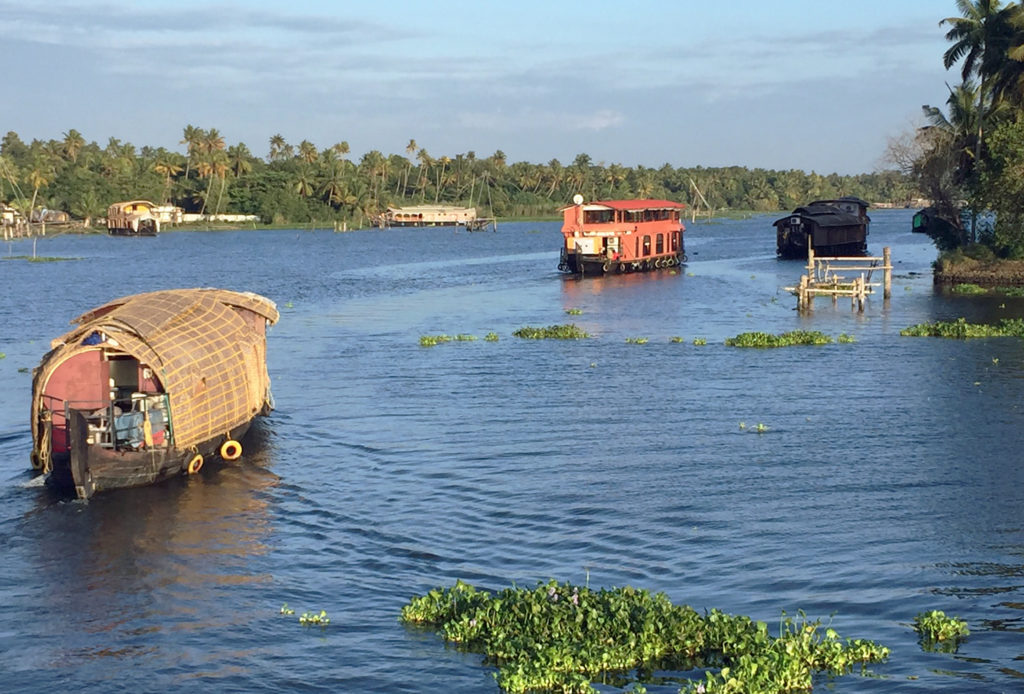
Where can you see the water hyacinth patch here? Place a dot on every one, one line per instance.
(462, 337)
(432, 340)
(939, 632)
(765, 340)
(676, 339)
(574, 311)
(636, 340)
(568, 331)
(491, 337)
(969, 289)
(961, 329)
(560, 637)
(700, 340)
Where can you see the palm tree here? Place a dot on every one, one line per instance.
(437, 191)
(335, 184)
(307, 151)
(240, 159)
(73, 143)
(38, 176)
(410, 149)
(277, 147)
(191, 138)
(167, 165)
(421, 179)
(981, 38)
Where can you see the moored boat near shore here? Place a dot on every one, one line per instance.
(133, 218)
(616, 236)
(831, 227)
(148, 386)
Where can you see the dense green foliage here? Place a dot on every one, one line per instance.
(305, 184)
(968, 160)
(788, 339)
(568, 331)
(935, 625)
(560, 637)
(961, 329)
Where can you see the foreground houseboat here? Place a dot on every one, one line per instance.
(149, 386)
(133, 218)
(615, 236)
(831, 227)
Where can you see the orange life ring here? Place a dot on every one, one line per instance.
(231, 450)
(196, 464)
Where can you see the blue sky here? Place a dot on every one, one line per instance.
(815, 85)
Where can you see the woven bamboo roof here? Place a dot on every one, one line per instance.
(206, 346)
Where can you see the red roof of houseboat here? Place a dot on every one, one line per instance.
(635, 204)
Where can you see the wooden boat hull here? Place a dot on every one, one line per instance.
(596, 265)
(88, 468)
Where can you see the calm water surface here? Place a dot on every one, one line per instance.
(889, 481)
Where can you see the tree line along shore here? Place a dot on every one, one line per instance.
(305, 185)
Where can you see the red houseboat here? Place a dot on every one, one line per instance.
(614, 236)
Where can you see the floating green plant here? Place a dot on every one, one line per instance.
(491, 337)
(560, 637)
(969, 289)
(761, 428)
(676, 338)
(314, 618)
(2, 355)
(793, 337)
(939, 632)
(431, 340)
(636, 340)
(961, 329)
(845, 339)
(574, 311)
(38, 258)
(462, 337)
(569, 331)
(286, 610)
(700, 340)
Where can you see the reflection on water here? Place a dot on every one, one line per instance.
(886, 482)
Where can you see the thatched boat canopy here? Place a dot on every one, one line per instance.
(204, 348)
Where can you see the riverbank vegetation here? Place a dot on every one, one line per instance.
(308, 184)
(962, 330)
(560, 637)
(968, 158)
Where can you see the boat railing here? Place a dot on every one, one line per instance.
(139, 421)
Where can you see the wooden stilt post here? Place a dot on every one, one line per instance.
(810, 260)
(803, 299)
(887, 262)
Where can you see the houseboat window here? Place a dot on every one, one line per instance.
(659, 243)
(598, 216)
(674, 241)
(636, 247)
(647, 245)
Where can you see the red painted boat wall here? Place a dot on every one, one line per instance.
(82, 379)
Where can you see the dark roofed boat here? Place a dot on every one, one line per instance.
(149, 385)
(833, 228)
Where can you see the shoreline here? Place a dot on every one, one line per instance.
(987, 273)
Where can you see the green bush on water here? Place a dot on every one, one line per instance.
(794, 337)
(969, 289)
(560, 637)
(961, 329)
(636, 340)
(431, 340)
(568, 331)
(939, 632)
(491, 337)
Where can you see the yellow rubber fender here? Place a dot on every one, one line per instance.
(196, 464)
(231, 450)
